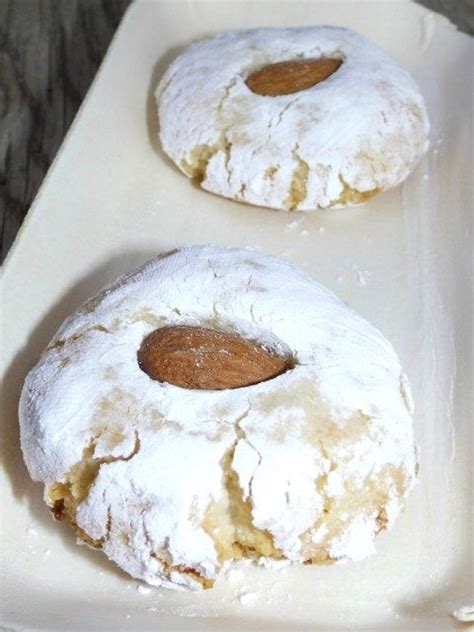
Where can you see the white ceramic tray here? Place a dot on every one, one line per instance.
(112, 200)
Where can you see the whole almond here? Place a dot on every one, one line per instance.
(201, 358)
(287, 77)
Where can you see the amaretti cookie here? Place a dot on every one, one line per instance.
(292, 118)
(219, 404)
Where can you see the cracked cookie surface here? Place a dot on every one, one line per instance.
(338, 143)
(172, 482)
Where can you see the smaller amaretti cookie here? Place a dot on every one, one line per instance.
(219, 404)
(294, 119)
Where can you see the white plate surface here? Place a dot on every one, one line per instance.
(112, 200)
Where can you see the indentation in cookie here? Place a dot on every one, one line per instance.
(288, 77)
(207, 359)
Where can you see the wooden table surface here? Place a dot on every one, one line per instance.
(49, 53)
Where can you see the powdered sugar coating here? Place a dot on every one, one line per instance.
(360, 131)
(321, 435)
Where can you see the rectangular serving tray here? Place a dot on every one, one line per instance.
(112, 200)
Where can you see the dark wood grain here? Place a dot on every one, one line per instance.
(460, 12)
(49, 53)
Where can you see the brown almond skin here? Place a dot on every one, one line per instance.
(205, 359)
(287, 77)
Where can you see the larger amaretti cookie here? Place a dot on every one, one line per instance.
(219, 404)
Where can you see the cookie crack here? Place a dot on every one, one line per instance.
(242, 436)
(299, 181)
(213, 270)
(165, 83)
(196, 163)
(271, 126)
(285, 109)
(242, 537)
(349, 195)
(227, 88)
(167, 566)
(58, 344)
